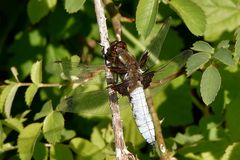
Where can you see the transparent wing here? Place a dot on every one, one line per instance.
(170, 70)
(89, 104)
(75, 72)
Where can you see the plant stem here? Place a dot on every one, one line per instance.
(120, 148)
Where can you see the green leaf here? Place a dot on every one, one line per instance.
(37, 9)
(223, 44)
(86, 150)
(225, 56)
(27, 140)
(51, 3)
(205, 150)
(131, 132)
(97, 138)
(40, 152)
(156, 43)
(222, 16)
(46, 110)
(232, 152)
(210, 84)
(36, 72)
(146, 16)
(15, 73)
(7, 97)
(232, 118)
(30, 93)
(60, 152)
(187, 139)
(202, 46)
(237, 46)
(13, 123)
(73, 6)
(53, 127)
(192, 15)
(196, 61)
(181, 105)
(67, 134)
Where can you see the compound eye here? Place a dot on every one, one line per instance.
(122, 45)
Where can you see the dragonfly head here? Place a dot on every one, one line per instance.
(115, 47)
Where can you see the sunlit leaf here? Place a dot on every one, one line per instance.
(237, 46)
(73, 6)
(27, 140)
(210, 84)
(13, 123)
(15, 73)
(225, 56)
(51, 3)
(187, 139)
(205, 150)
(202, 46)
(223, 44)
(232, 152)
(222, 16)
(196, 61)
(60, 152)
(86, 150)
(37, 9)
(7, 97)
(68, 134)
(53, 126)
(46, 109)
(192, 15)
(36, 72)
(146, 16)
(97, 138)
(30, 93)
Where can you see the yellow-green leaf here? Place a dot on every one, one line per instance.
(30, 93)
(223, 16)
(46, 109)
(13, 123)
(36, 72)
(53, 127)
(146, 16)
(7, 97)
(192, 15)
(27, 140)
(73, 6)
(37, 9)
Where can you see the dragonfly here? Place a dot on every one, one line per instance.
(131, 78)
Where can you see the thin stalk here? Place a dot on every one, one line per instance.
(120, 148)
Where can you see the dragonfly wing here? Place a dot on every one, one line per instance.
(169, 71)
(76, 72)
(88, 104)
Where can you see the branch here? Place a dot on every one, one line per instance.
(121, 151)
(115, 17)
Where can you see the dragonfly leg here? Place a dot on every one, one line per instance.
(143, 59)
(118, 70)
(147, 79)
(121, 88)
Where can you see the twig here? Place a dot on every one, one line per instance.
(164, 154)
(121, 151)
(115, 16)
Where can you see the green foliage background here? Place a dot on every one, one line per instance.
(200, 110)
